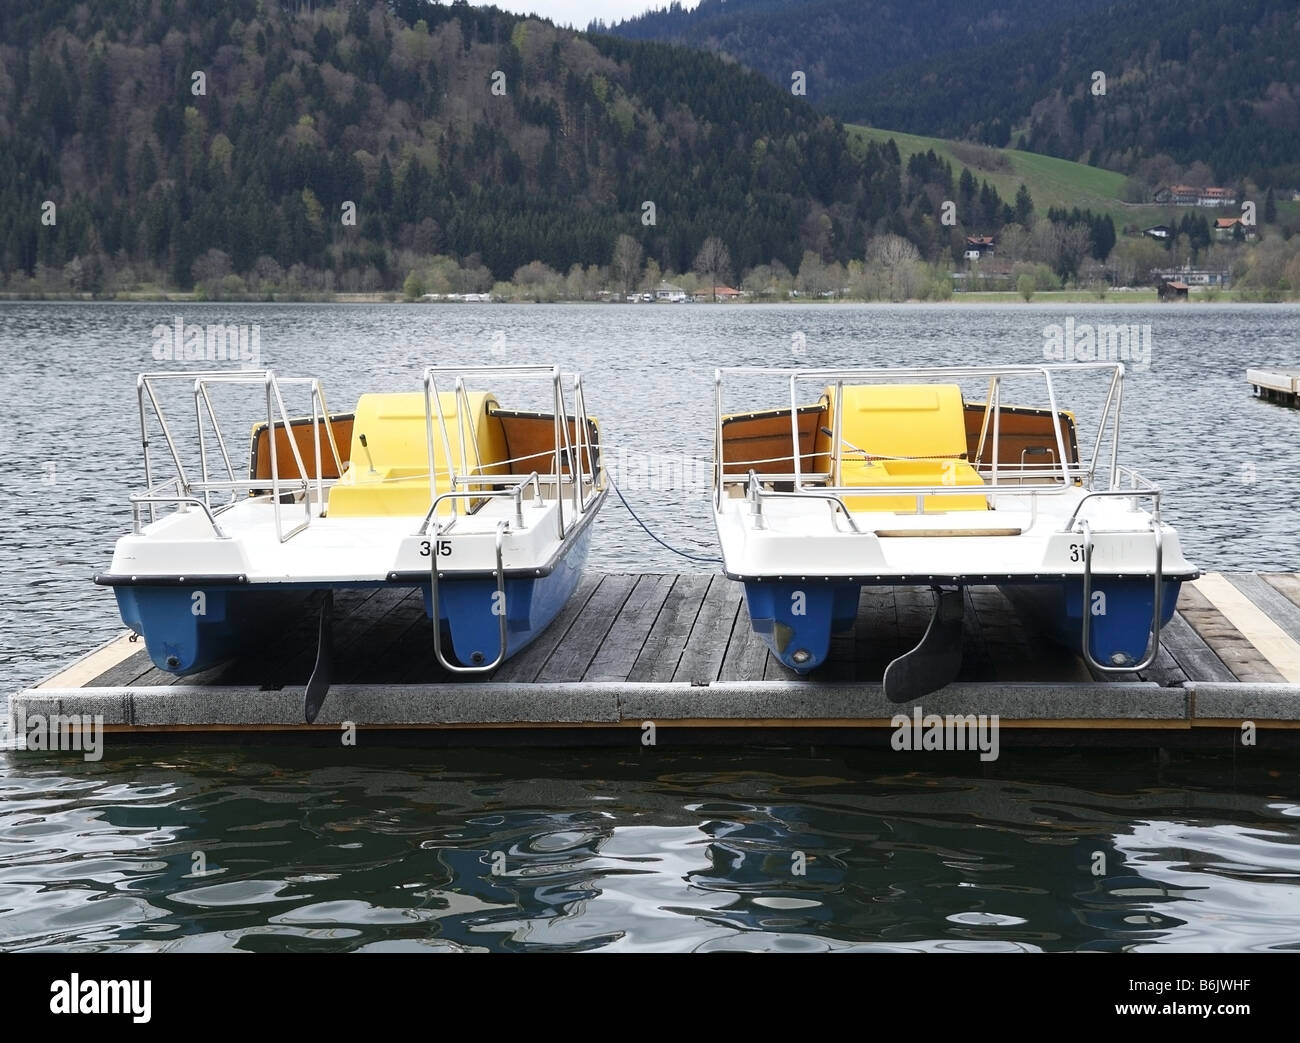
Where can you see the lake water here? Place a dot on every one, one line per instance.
(662, 848)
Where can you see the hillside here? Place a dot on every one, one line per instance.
(1194, 80)
(1194, 88)
(303, 149)
(334, 146)
(840, 43)
(1051, 182)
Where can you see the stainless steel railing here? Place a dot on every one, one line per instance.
(498, 609)
(1001, 478)
(190, 491)
(584, 480)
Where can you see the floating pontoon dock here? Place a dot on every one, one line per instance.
(1276, 385)
(677, 650)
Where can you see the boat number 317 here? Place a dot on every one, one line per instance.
(439, 547)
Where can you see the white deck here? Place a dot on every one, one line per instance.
(804, 537)
(338, 550)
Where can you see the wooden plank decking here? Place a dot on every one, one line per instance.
(622, 636)
(694, 628)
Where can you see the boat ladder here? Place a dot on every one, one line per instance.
(1153, 647)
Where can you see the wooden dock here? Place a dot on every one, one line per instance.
(1276, 385)
(678, 650)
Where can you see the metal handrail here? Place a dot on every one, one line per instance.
(151, 499)
(584, 444)
(1152, 494)
(1136, 478)
(517, 494)
(584, 475)
(758, 494)
(273, 393)
(739, 478)
(188, 489)
(501, 615)
(1113, 394)
(1065, 476)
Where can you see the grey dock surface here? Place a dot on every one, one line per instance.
(678, 651)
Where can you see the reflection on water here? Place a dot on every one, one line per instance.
(715, 849)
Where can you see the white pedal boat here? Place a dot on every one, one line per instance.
(887, 477)
(224, 545)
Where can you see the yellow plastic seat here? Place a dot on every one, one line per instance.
(389, 476)
(912, 434)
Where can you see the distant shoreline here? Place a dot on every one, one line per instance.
(1142, 296)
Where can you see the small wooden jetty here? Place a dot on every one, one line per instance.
(677, 650)
(1276, 385)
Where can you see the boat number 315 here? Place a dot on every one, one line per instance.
(439, 547)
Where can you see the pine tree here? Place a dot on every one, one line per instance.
(1024, 206)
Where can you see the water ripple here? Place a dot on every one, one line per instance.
(194, 851)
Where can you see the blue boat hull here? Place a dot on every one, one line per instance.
(1120, 619)
(191, 628)
(465, 607)
(797, 619)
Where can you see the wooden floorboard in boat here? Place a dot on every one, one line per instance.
(695, 628)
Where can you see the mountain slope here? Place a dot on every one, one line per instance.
(1187, 81)
(299, 113)
(1051, 182)
(839, 43)
(1196, 80)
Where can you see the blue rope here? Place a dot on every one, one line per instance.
(637, 519)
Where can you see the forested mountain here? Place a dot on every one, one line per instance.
(147, 133)
(1187, 81)
(307, 147)
(838, 44)
(1196, 80)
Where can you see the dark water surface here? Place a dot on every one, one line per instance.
(665, 849)
(692, 849)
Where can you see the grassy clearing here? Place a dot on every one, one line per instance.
(1051, 181)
